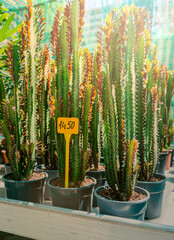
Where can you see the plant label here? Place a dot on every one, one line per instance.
(68, 125)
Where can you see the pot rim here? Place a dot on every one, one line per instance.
(164, 153)
(169, 150)
(156, 174)
(71, 189)
(12, 181)
(45, 170)
(123, 202)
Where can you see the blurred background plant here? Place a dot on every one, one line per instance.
(166, 86)
(5, 34)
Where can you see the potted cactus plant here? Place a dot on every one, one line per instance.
(19, 122)
(121, 36)
(166, 93)
(70, 101)
(148, 137)
(46, 129)
(93, 73)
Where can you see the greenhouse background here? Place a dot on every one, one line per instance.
(162, 13)
(85, 101)
(162, 20)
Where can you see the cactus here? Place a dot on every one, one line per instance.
(95, 131)
(5, 22)
(19, 122)
(69, 100)
(166, 85)
(45, 129)
(118, 97)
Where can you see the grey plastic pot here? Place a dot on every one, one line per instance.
(100, 177)
(162, 163)
(7, 168)
(30, 191)
(51, 174)
(133, 210)
(74, 198)
(156, 190)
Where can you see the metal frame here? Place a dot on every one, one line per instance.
(45, 222)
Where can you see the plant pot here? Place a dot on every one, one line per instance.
(39, 160)
(156, 190)
(30, 191)
(133, 210)
(2, 161)
(162, 163)
(80, 198)
(7, 168)
(100, 181)
(171, 164)
(51, 174)
(168, 159)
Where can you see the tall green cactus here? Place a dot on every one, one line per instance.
(118, 95)
(96, 78)
(19, 124)
(65, 40)
(166, 85)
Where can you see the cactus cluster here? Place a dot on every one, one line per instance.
(119, 92)
(132, 107)
(70, 99)
(121, 38)
(19, 124)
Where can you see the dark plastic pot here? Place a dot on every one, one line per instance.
(39, 160)
(156, 190)
(162, 163)
(74, 198)
(101, 180)
(30, 191)
(51, 174)
(133, 210)
(7, 168)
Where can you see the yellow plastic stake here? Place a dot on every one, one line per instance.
(67, 139)
(67, 126)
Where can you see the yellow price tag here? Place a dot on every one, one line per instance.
(67, 126)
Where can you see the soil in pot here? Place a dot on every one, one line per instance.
(156, 189)
(78, 197)
(100, 176)
(58, 183)
(51, 174)
(30, 191)
(134, 209)
(108, 193)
